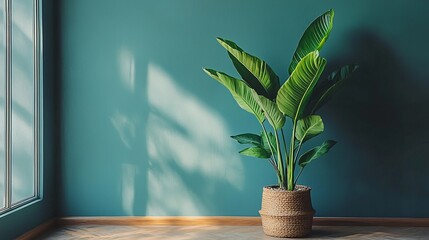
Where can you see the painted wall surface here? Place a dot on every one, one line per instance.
(19, 221)
(146, 132)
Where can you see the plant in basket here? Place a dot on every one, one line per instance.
(286, 208)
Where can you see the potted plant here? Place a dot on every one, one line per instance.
(286, 208)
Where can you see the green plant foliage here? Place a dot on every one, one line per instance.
(296, 91)
(313, 38)
(248, 138)
(256, 152)
(324, 91)
(298, 98)
(308, 128)
(315, 153)
(240, 91)
(271, 111)
(257, 141)
(267, 139)
(255, 72)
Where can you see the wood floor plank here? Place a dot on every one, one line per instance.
(228, 232)
(228, 228)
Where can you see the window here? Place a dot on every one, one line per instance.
(19, 103)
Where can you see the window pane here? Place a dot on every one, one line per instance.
(2, 103)
(22, 100)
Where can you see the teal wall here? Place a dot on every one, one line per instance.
(19, 221)
(145, 132)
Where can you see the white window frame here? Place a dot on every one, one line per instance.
(9, 206)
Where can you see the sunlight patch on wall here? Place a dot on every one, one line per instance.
(184, 137)
(125, 127)
(169, 195)
(127, 71)
(129, 172)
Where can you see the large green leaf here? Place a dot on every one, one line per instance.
(268, 139)
(313, 38)
(255, 72)
(327, 88)
(316, 152)
(309, 127)
(256, 152)
(240, 91)
(271, 111)
(295, 93)
(248, 138)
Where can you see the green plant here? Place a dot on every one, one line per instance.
(260, 93)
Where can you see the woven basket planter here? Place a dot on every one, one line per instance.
(286, 213)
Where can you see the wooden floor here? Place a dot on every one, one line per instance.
(228, 232)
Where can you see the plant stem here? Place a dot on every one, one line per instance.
(279, 170)
(284, 145)
(297, 151)
(286, 154)
(299, 174)
(291, 165)
(268, 140)
(273, 163)
(279, 159)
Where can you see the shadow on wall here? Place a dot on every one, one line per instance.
(384, 115)
(189, 158)
(149, 144)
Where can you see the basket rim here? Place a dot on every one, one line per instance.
(276, 188)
